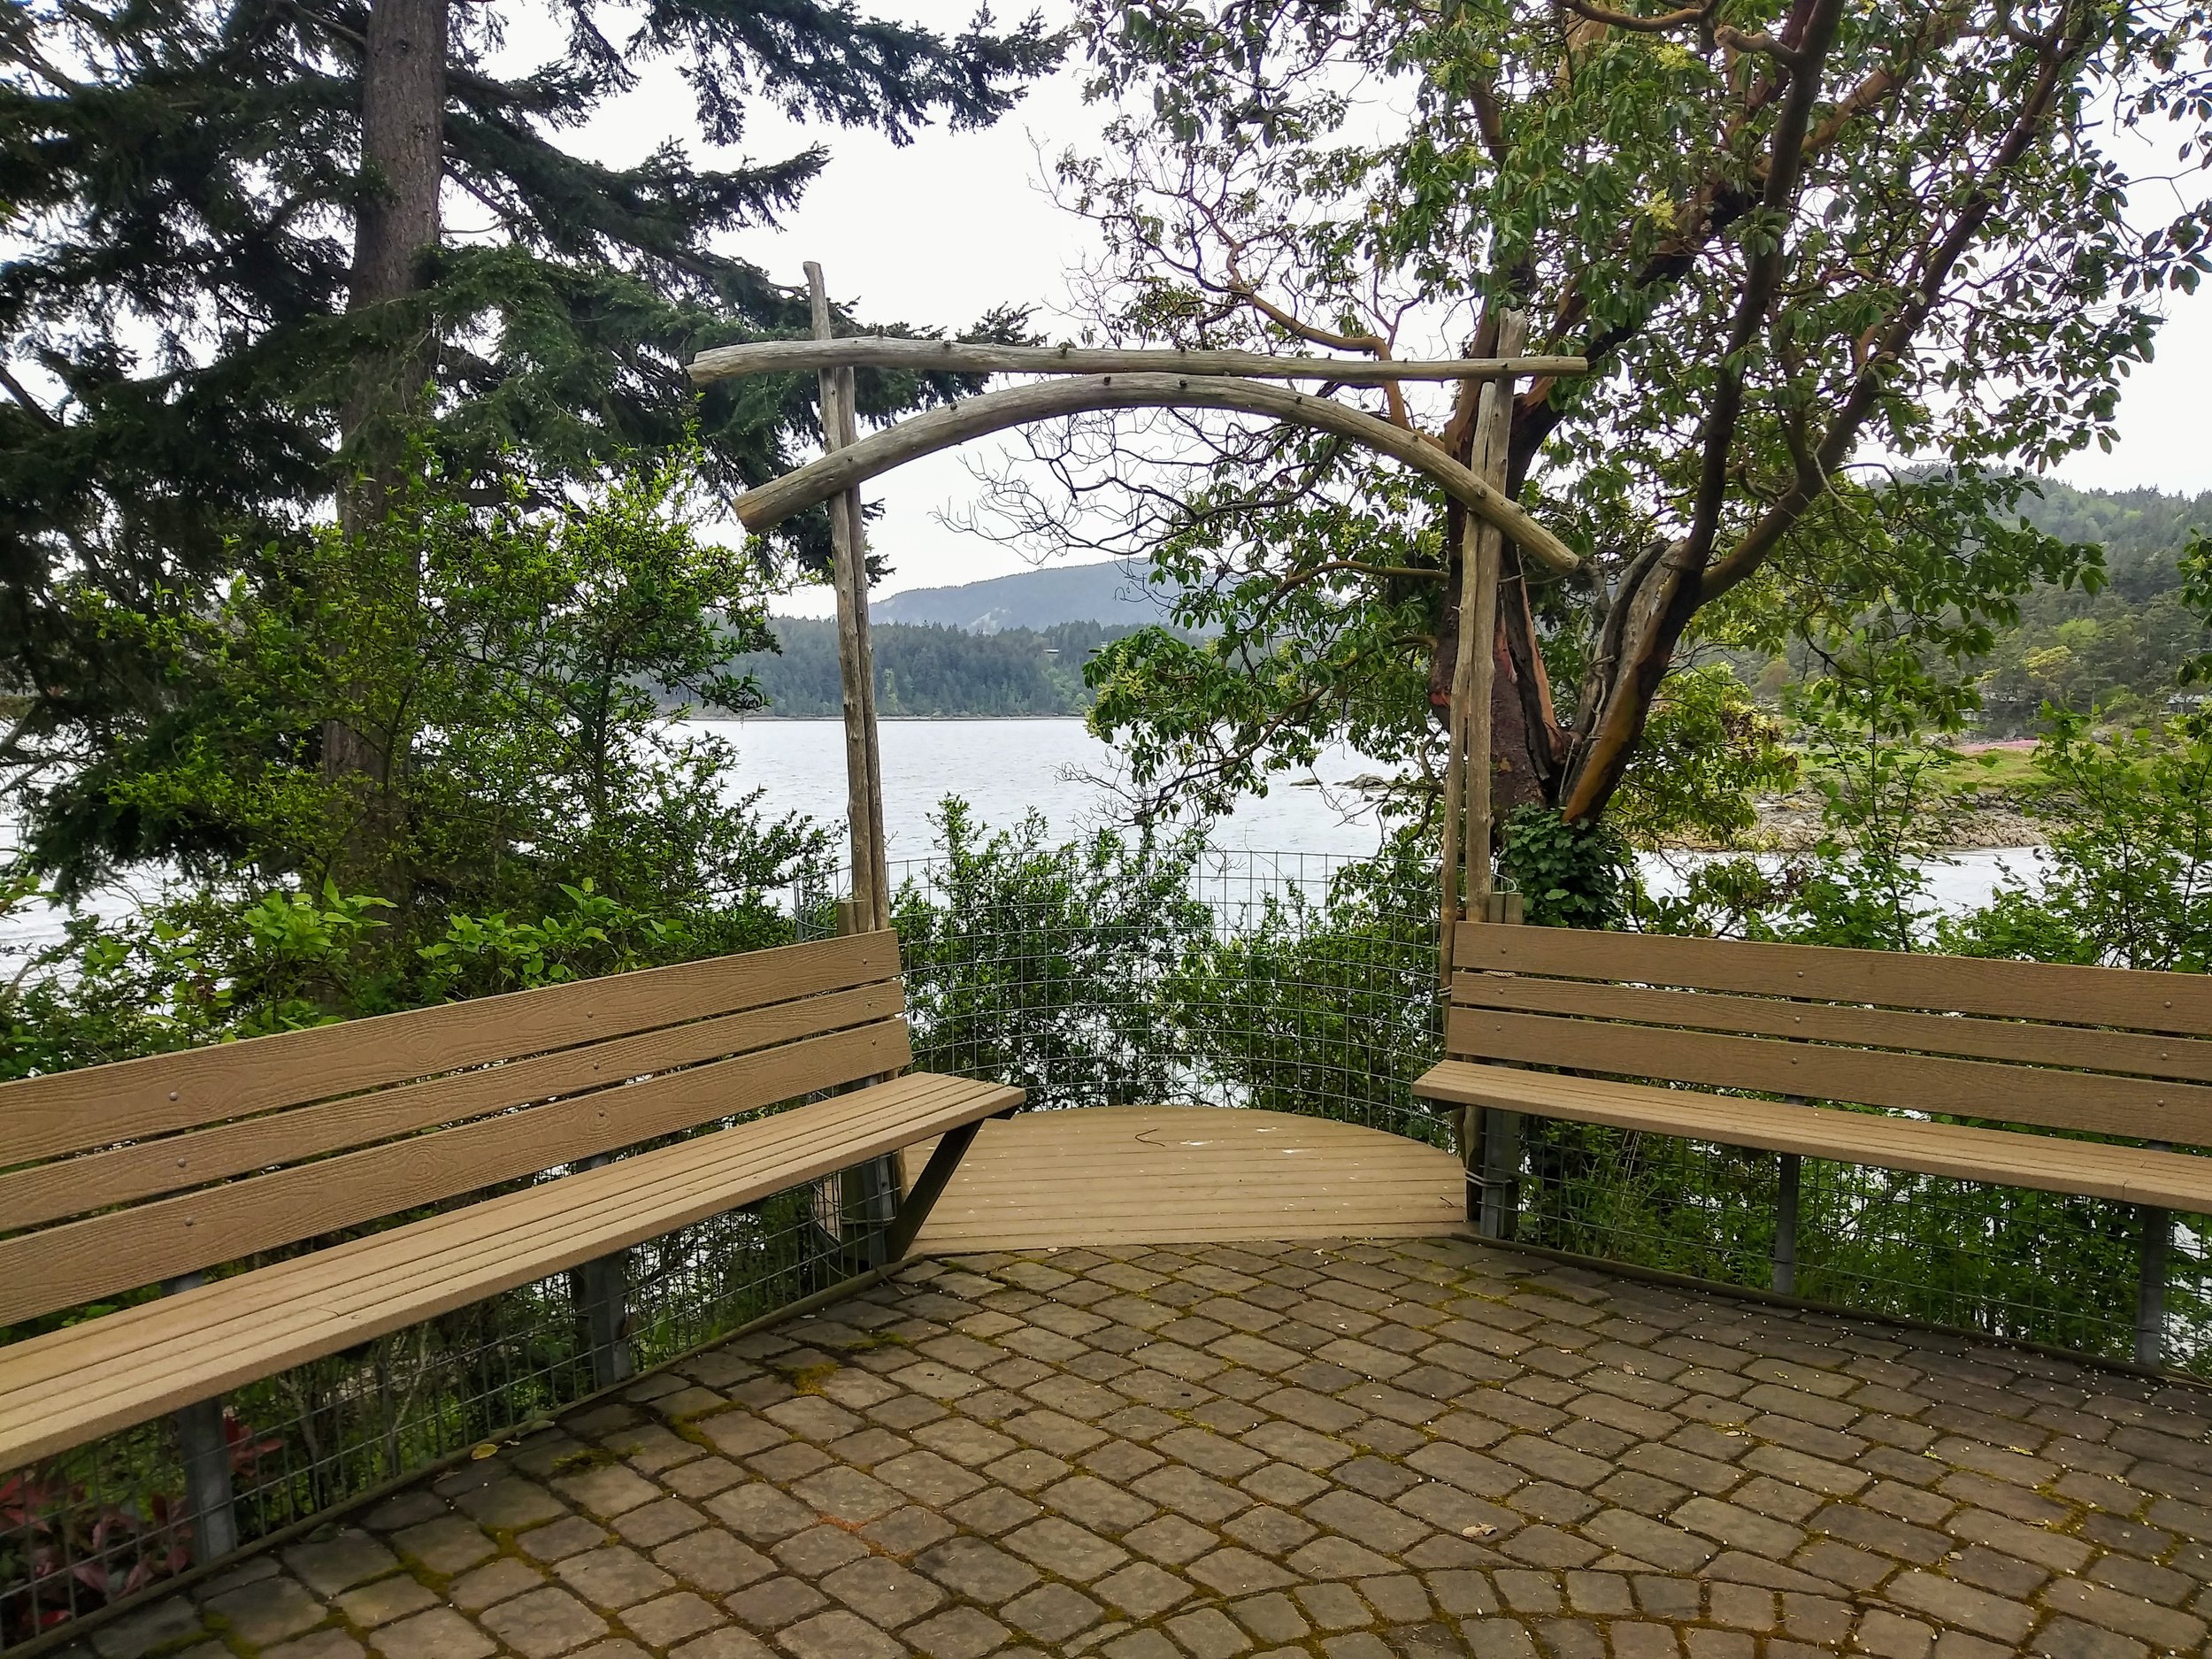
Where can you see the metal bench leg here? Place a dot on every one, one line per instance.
(207, 1488)
(2150, 1290)
(204, 1450)
(1501, 1177)
(1470, 1128)
(929, 1186)
(1786, 1226)
(880, 1206)
(601, 1290)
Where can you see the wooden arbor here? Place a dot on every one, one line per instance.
(1085, 379)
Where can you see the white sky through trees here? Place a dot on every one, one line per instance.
(938, 233)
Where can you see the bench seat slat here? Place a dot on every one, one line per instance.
(578, 1199)
(148, 1169)
(80, 1261)
(58, 1391)
(2169, 1180)
(99, 1106)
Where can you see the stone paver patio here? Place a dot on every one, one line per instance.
(1414, 1448)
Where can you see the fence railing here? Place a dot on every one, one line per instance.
(1110, 974)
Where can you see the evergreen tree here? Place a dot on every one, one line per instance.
(232, 281)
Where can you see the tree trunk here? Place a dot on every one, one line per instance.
(396, 227)
(403, 153)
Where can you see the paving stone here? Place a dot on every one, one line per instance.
(656, 1523)
(1239, 1573)
(322, 1644)
(381, 1603)
(405, 1509)
(163, 1624)
(669, 1619)
(606, 1490)
(883, 1591)
(757, 1510)
(510, 1503)
(774, 1603)
(1051, 1612)
(1268, 1530)
(960, 1632)
(613, 1576)
(2069, 1639)
(451, 1544)
(267, 1611)
(329, 1565)
(977, 1570)
(713, 1561)
(908, 1530)
(1207, 1634)
(725, 1641)
(495, 1581)
(816, 1550)
(1142, 1644)
(562, 1539)
(702, 1477)
(994, 1511)
(544, 1622)
(1951, 1602)
(440, 1633)
(838, 1634)
(2131, 1615)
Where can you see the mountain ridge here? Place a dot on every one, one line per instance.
(1110, 592)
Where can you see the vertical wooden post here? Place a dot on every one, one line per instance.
(871, 1191)
(863, 770)
(1467, 832)
(204, 1449)
(1493, 430)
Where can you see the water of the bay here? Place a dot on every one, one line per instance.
(1004, 769)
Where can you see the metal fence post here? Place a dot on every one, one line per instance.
(204, 1450)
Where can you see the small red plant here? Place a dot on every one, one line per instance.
(61, 1555)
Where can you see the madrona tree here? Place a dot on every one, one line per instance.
(1843, 271)
(264, 254)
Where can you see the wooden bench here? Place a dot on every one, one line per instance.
(154, 1170)
(2014, 1046)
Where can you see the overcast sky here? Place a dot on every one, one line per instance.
(936, 233)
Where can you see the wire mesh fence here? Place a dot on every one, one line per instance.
(91, 1525)
(1106, 973)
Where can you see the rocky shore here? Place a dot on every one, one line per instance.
(1791, 823)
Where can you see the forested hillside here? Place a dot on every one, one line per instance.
(2118, 650)
(1114, 592)
(1021, 639)
(935, 670)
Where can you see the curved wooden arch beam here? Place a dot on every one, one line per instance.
(994, 411)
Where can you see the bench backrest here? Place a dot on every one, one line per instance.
(118, 1176)
(2105, 1050)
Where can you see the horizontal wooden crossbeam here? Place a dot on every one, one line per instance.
(875, 351)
